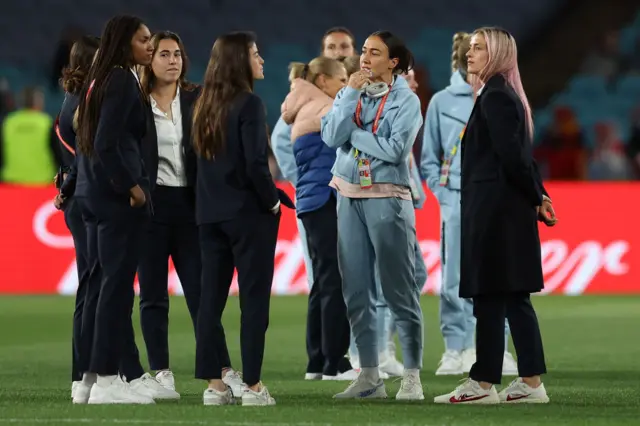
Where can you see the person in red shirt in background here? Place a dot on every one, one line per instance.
(562, 154)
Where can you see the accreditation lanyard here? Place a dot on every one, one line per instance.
(446, 163)
(364, 165)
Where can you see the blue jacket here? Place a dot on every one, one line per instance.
(389, 149)
(282, 147)
(415, 175)
(447, 114)
(314, 160)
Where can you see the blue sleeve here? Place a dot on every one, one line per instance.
(415, 175)
(119, 98)
(282, 147)
(431, 158)
(337, 125)
(404, 129)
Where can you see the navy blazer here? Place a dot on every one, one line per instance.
(150, 144)
(238, 182)
(67, 138)
(116, 164)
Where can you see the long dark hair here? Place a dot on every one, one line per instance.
(397, 49)
(115, 51)
(228, 74)
(80, 58)
(148, 78)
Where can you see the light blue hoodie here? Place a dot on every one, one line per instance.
(389, 150)
(283, 151)
(447, 114)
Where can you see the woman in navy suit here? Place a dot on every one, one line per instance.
(238, 215)
(172, 231)
(113, 190)
(73, 80)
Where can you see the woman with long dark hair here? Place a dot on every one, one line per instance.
(502, 197)
(373, 124)
(113, 190)
(171, 165)
(73, 80)
(238, 215)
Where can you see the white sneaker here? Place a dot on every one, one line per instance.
(355, 362)
(518, 392)
(74, 386)
(468, 359)
(147, 385)
(116, 392)
(351, 375)
(390, 365)
(251, 398)
(313, 376)
(363, 387)
(450, 364)
(347, 376)
(469, 392)
(215, 397)
(81, 393)
(166, 379)
(233, 379)
(411, 387)
(509, 365)
(82, 389)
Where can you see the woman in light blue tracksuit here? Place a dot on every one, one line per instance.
(445, 121)
(283, 151)
(373, 133)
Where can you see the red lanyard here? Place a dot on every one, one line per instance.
(89, 90)
(376, 121)
(62, 141)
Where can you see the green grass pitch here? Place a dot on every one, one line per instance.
(592, 347)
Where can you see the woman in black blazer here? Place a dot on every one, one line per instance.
(113, 191)
(172, 231)
(501, 200)
(238, 214)
(73, 80)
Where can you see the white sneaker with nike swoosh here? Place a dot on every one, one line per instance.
(469, 392)
(518, 392)
(364, 387)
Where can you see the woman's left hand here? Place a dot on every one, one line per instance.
(58, 202)
(546, 213)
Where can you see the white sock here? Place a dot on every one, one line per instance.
(372, 373)
(88, 379)
(105, 380)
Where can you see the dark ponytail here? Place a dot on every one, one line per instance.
(398, 50)
(80, 58)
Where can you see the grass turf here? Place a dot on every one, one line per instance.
(592, 347)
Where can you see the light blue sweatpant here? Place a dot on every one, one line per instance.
(457, 322)
(386, 326)
(379, 233)
(305, 253)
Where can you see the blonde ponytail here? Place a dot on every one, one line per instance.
(311, 71)
(458, 55)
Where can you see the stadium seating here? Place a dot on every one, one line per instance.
(287, 31)
(594, 99)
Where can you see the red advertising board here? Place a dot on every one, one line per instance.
(593, 249)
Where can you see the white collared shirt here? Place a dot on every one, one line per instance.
(171, 171)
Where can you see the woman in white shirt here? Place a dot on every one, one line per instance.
(172, 231)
